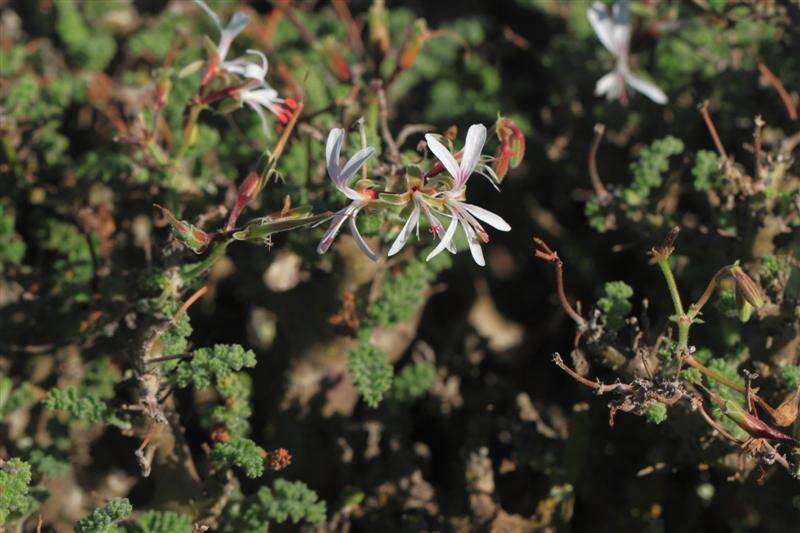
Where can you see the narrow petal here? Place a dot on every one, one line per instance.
(476, 137)
(338, 219)
(621, 32)
(608, 85)
(603, 25)
(474, 245)
(646, 88)
(237, 23)
(354, 163)
(362, 245)
(446, 240)
(209, 12)
(487, 216)
(260, 112)
(405, 232)
(433, 222)
(443, 154)
(332, 149)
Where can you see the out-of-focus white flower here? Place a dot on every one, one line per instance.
(467, 215)
(340, 175)
(228, 33)
(614, 31)
(265, 97)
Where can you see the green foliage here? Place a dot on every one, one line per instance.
(104, 519)
(707, 171)
(648, 171)
(371, 371)
(615, 304)
(242, 453)
(772, 267)
(213, 363)
(15, 479)
(48, 463)
(286, 500)
(160, 522)
(790, 376)
(14, 398)
(656, 413)
(89, 47)
(234, 411)
(79, 405)
(400, 294)
(413, 382)
(12, 247)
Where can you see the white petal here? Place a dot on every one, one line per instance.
(487, 216)
(621, 32)
(359, 239)
(474, 245)
(446, 240)
(332, 149)
(338, 219)
(603, 25)
(646, 88)
(405, 233)
(443, 154)
(209, 12)
(476, 137)
(238, 22)
(609, 85)
(354, 163)
(433, 222)
(260, 112)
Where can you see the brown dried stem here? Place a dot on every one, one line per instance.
(601, 388)
(757, 150)
(712, 129)
(599, 189)
(544, 252)
(778, 86)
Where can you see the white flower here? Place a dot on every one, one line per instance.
(340, 177)
(465, 214)
(227, 34)
(614, 31)
(420, 202)
(265, 97)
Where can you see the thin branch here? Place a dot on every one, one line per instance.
(158, 333)
(383, 115)
(600, 388)
(410, 129)
(778, 86)
(599, 189)
(712, 129)
(697, 403)
(757, 152)
(544, 252)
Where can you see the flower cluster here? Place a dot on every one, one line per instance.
(614, 31)
(256, 92)
(428, 196)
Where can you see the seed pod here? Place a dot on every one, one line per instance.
(744, 307)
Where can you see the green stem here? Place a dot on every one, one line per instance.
(684, 321)
(196, 269)
(673, 287)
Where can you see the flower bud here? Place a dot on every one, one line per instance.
(746, 287)
(378, 27)
(414, 44)
(187, 234)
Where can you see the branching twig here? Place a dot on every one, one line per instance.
(544, 252)
(600, 388)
